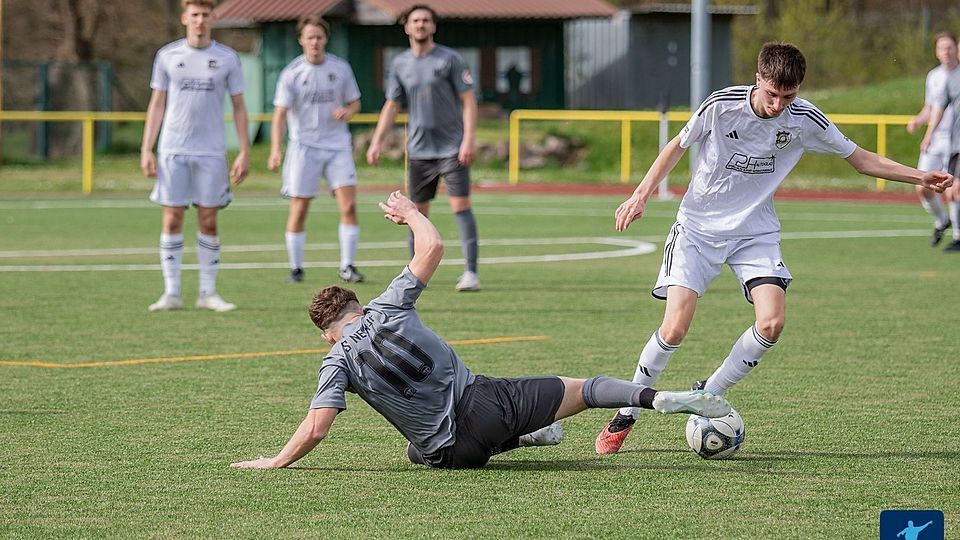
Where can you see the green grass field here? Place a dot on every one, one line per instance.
(117, 422)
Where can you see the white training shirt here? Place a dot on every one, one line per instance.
(743, 159)
(195, 81)
(311, 92)
(935, 95)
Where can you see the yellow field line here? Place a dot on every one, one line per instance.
(232, 356)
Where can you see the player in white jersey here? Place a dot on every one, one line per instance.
(936, 156)
(751, 137)
(190, 78)
(318, 94)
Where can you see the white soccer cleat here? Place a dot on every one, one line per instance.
(698, 402)
(545, 436)
(469, 281)
(167, 302)
(213, 302)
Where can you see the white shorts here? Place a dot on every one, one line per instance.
(200, 180)
(694, 261)
(930, 161)
(304, 167)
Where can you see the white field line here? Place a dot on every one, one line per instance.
(631, 248)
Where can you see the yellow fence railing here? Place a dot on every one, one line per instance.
(87, 119)
(626, 119)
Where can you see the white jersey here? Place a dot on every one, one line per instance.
(195, 81)
(935, 96)
(743, 159)
(311, 92)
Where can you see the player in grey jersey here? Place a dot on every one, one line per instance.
(410, 375)
(751, 138)
(436, 86)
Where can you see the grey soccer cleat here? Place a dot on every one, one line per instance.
(350, 274)
(698, 402)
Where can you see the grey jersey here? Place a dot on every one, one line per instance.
(949, 99)
(429, 87)
(399, 366)
(195, 81)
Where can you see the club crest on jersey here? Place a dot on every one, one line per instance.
(783, 139)
(332, 77)
(212, 63)
(467, 77)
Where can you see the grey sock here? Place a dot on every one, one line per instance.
(468, 237)
(608, 393)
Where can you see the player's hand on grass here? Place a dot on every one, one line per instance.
(259, 463)
(241, 167)
(937, 181)
(148, 163)
(628, 212)
(398, 208)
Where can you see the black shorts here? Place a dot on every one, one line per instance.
(491, 416)
(425, 176)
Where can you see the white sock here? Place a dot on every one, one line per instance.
(955, 218)
(653, 359)
(349, 234)
(934, 206)
(208, 255)
(295, 243)
(744, 356)
(171, 256)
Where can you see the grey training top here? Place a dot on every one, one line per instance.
(429, 87)
(400, 367)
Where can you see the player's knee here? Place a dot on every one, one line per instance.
(673, 334)
(771, 327)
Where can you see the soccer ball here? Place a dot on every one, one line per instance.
(715, 438)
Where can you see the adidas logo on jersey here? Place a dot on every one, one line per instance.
(733, 135)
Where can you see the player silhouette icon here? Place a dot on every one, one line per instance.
(910, 532)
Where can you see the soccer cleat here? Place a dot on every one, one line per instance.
(938, 233)
(698, 402)
(469, 281)
(296, 275)
(953, 246)
(213, 302)
(350, 274)
(699, 385)
(167, 302)
(545, 436)
(611, 438)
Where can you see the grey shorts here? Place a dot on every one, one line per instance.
(491, 416)
(425, 176)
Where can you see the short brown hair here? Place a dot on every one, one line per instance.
(781, 64)
(946, 34)
(330, 304)
(315, 20)
(406, 14)
(203, 3)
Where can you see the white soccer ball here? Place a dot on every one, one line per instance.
(715, 438)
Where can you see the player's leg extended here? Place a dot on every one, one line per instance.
(681, 306)
(295, 236)
(457, 179)
(931, 202)
(607, 392)
(348, 232)
(769, 303)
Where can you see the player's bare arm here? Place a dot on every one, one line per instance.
(936, 115)
(387, 116)
(469, 143)
(151, 130)
(278, 124)
(344, 114)
(920, 119)
(872, 164)
(312, 430)
(427, 244)
(632, 209)
(241, 165)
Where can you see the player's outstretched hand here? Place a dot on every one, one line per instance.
(628, 212)
(937, 181)
(259, 463)
(398, 208)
